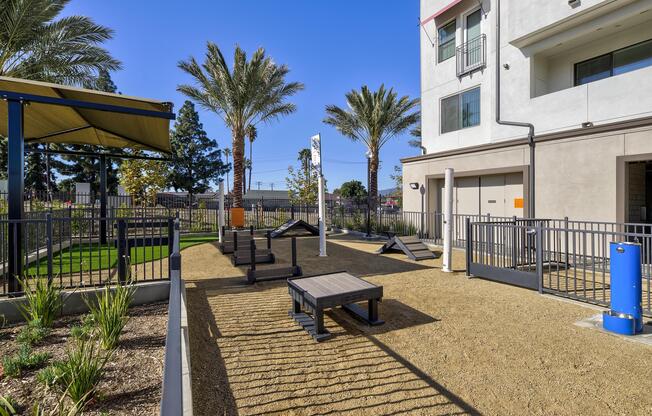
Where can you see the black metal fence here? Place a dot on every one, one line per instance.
(70, 252)
(558, 256)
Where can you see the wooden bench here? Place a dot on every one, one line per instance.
(317, 293)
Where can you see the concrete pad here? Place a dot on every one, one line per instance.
(595, 322)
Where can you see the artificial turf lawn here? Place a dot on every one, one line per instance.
(85, 257)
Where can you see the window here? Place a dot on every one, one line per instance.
(614, 63)
(460, 111)
(446, 41)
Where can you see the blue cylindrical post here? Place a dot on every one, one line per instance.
(626, 314)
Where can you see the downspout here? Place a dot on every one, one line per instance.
(423, 149)
(530, 126)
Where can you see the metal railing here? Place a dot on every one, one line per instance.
(561, 257)
(472, 55)
(70, 252)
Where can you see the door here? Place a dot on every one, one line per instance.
(492, 195)
(472, 32)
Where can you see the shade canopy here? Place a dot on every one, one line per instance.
(68, 115)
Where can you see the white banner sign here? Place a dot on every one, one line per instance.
(315, 151)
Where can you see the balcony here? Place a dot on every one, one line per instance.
(472, 55)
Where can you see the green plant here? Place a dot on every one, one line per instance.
(110, 313)
(42, 303)
(85, 330)
(24, 359)
(7, 406)
(80, 373)
(33, 333)
(50, 375)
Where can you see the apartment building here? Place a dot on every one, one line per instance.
(580, 71)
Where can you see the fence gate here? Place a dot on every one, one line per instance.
(506, 252)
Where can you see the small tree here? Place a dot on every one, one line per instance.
(143, 179)
(301, 189)
(197, 159)
(397, 177)
(354, 191)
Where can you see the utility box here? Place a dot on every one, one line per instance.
(626, 314)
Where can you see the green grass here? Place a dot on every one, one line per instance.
(86, 257)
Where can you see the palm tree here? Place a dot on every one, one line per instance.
(227, 153)
(373, 117)
(304, 158)
(34, 45)
(251, 92)
(252, 133)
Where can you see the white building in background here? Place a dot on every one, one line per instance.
(579, 70)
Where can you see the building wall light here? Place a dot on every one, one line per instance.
(414, 185)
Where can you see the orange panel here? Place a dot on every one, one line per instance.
(518, 202)
(237, 217)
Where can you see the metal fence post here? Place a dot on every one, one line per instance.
(514, 245)
(122, 250)
(48, 218)
(170, 242)
(469, 246)
(172, 391)
(539, 255)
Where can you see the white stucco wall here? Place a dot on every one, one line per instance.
(541, 41)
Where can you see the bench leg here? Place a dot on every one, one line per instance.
(373, 310)
(319, 321)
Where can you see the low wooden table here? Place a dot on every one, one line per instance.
(314, 294)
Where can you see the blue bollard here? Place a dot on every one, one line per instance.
(626, 314)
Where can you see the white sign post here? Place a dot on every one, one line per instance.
(315, 153)
(220, 215)
(448, 221)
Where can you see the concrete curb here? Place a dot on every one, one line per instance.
(186, 377)
(146, 292)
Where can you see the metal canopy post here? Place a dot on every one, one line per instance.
(103, 172)
(16, 179)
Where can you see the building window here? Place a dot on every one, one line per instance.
(446, 41)
(460, 111)
(614, 63)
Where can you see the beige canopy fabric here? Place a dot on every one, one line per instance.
(48, 123)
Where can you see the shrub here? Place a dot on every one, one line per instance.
(50, 375)
(24, 359)
(110, 313)
(85, 330)
(43, 302)
(7, 406)
(33, 333)
(80, 373)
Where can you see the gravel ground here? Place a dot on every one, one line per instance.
(132, 383)
(450, 345)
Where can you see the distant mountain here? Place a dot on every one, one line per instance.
(386, 192)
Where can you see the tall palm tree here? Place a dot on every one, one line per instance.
(34, 44)
(227, 153)
(250, 92)
(373, 118)
(252, 133)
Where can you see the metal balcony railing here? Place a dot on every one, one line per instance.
(472, 55)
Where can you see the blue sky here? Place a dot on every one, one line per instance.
(331, 46)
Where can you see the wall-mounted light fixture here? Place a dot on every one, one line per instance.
(587, 124)
(574, 3)
(414, 185)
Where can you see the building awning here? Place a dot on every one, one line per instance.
(68, 115)
(440, 12)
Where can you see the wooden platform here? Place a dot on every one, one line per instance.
(294, 225)
(411, 246)
(227, 246)
(243, 256)
(314, 294)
